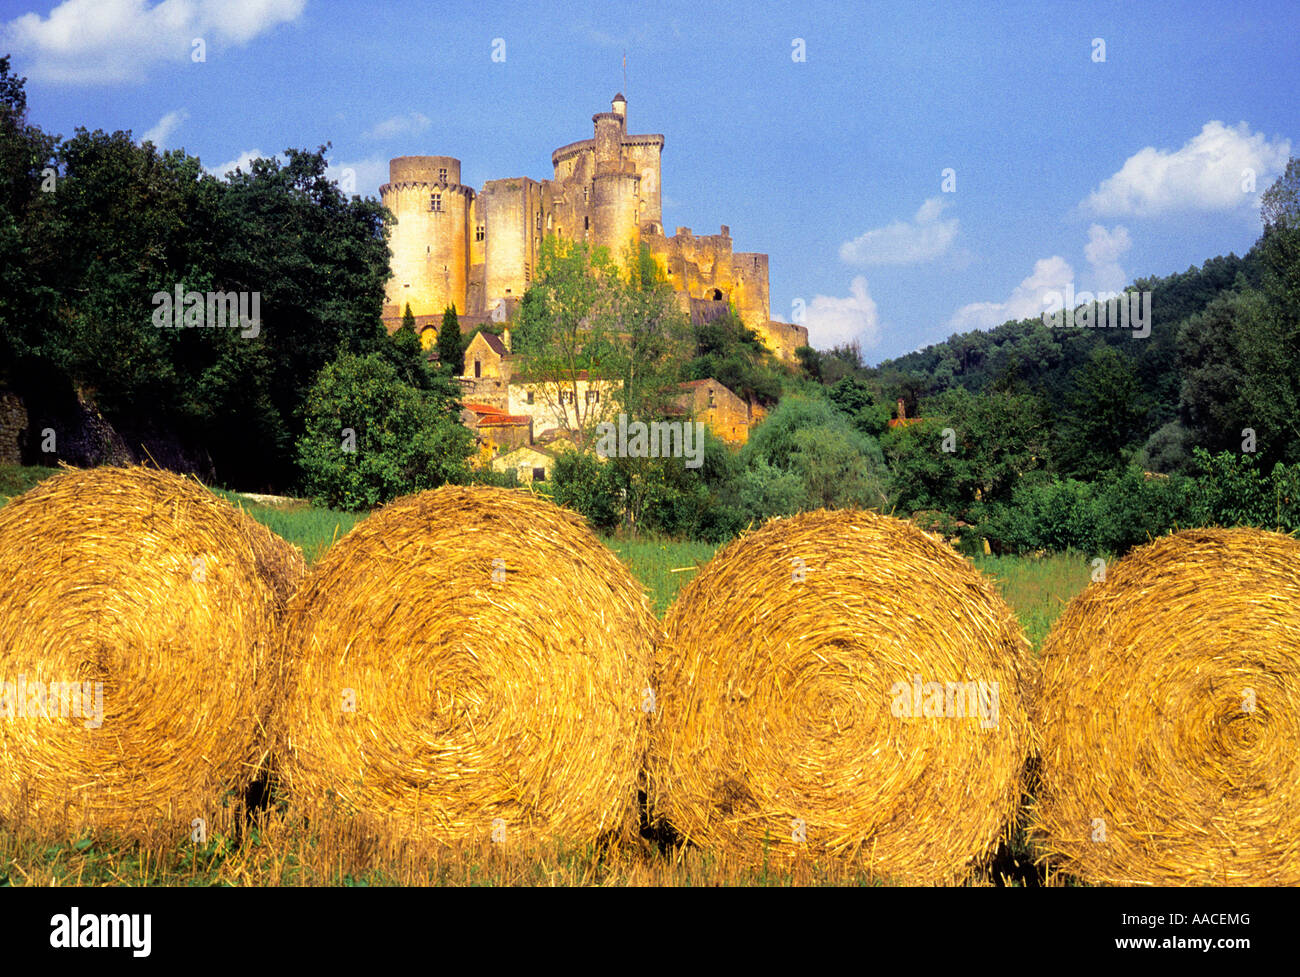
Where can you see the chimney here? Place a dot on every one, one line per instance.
(902, 410)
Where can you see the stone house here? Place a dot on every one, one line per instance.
(726, 415)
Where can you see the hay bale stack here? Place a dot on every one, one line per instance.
(469, 661)
(1170, 716)
(137, 633)
(804, 700)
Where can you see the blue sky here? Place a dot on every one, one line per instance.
(1067, 168)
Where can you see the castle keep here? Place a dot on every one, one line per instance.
(477, 250)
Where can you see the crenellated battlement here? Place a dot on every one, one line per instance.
(478, 250)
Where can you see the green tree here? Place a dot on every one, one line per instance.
(1105, 419)
(1213, 366)
(451, 348)
(568, 329)
(854, 399)
(836, 466)
(1270, 342)
(406, 353)
(370, 437)
(733, 354)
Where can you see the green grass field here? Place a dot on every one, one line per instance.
(280, 851)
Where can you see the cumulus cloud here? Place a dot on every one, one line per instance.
(833, 321)
(95, 41)
(243, 161)
(1103, 252)
(362, 177)
(1025, 302)
(162, 131)
(1206, 174)
(924, 238)
(400, 125)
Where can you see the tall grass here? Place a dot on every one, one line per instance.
(310, 528)
(1037, 588)
(663, 568)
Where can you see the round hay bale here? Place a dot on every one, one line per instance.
(842, 683)
(470, 665)
(1170, 716)
(137, 634)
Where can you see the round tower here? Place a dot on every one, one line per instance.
(430, 241)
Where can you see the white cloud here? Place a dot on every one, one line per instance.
(1206, 174)
(93, 41)
(1103, 252)
(365, 178)
(243, 161)
(925, 238)
(835, 321)
(361, 177)
(400, 125)
(1025, 302)
(162, 131)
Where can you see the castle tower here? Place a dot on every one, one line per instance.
(430, 242)
(616, 183)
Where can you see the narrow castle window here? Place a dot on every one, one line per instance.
(584, 195)
(442, 175)
(539, 220)
(755, 261)
(435, 202)
(478, 233)
(586, 223)
(548, 221)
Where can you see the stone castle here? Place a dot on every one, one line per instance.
(477, 250)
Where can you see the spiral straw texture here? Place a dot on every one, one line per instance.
(472, 664)
(1170, 716)
(137, 628)
(842, 683)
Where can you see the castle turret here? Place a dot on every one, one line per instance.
(430, 241)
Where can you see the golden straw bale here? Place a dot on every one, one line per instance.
(137, 637)
(471, 664)
(1170, 716)
(841, 683)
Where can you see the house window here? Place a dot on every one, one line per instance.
(711, 402)
(528, 398)
(539, 474)
(478, 233)
(478, 369)
(435, 202)
(566, 397)
(593, 396)
(442, 174)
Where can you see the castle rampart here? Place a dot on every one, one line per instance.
(452, 246)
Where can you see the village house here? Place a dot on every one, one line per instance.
(725, 414)
(508, 409)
